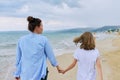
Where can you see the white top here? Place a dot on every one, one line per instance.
(86, 63)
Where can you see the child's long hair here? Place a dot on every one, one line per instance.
(86, 40)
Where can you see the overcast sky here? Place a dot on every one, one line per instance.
(59, 14)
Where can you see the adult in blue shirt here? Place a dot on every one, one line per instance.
(32, 53)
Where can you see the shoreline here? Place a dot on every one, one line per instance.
(110, 56)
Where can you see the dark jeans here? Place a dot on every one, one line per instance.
(46, 75)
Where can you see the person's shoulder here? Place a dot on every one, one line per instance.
(19, 40)
(78, 50)
(44, 37)
(96, 50)
(77, 53)
(23, 37)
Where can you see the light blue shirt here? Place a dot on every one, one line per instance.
(31, 58)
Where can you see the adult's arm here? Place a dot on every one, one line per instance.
(18, 62)
(49, 53)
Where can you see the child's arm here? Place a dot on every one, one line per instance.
(71, 66)
(98, 65)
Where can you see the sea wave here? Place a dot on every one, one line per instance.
(7, 45)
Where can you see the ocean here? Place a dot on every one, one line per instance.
(58, 40)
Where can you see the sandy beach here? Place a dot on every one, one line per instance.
(110, 55)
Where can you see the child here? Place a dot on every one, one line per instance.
(32, 53)
(87, 57)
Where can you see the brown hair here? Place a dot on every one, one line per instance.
(86, 40)
(33, 22)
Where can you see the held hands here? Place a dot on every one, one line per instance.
(61, 70)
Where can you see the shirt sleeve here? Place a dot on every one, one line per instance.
(18, 61)
(75, 55)
(49, 53)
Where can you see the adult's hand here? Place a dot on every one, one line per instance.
(59, 69)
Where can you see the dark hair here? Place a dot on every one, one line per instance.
(33, 22)
(87, 41)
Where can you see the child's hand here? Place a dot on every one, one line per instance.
(59, 69)
(62, 71)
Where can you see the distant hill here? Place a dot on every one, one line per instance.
(81, 30)
(106, 28)
(74, 30)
